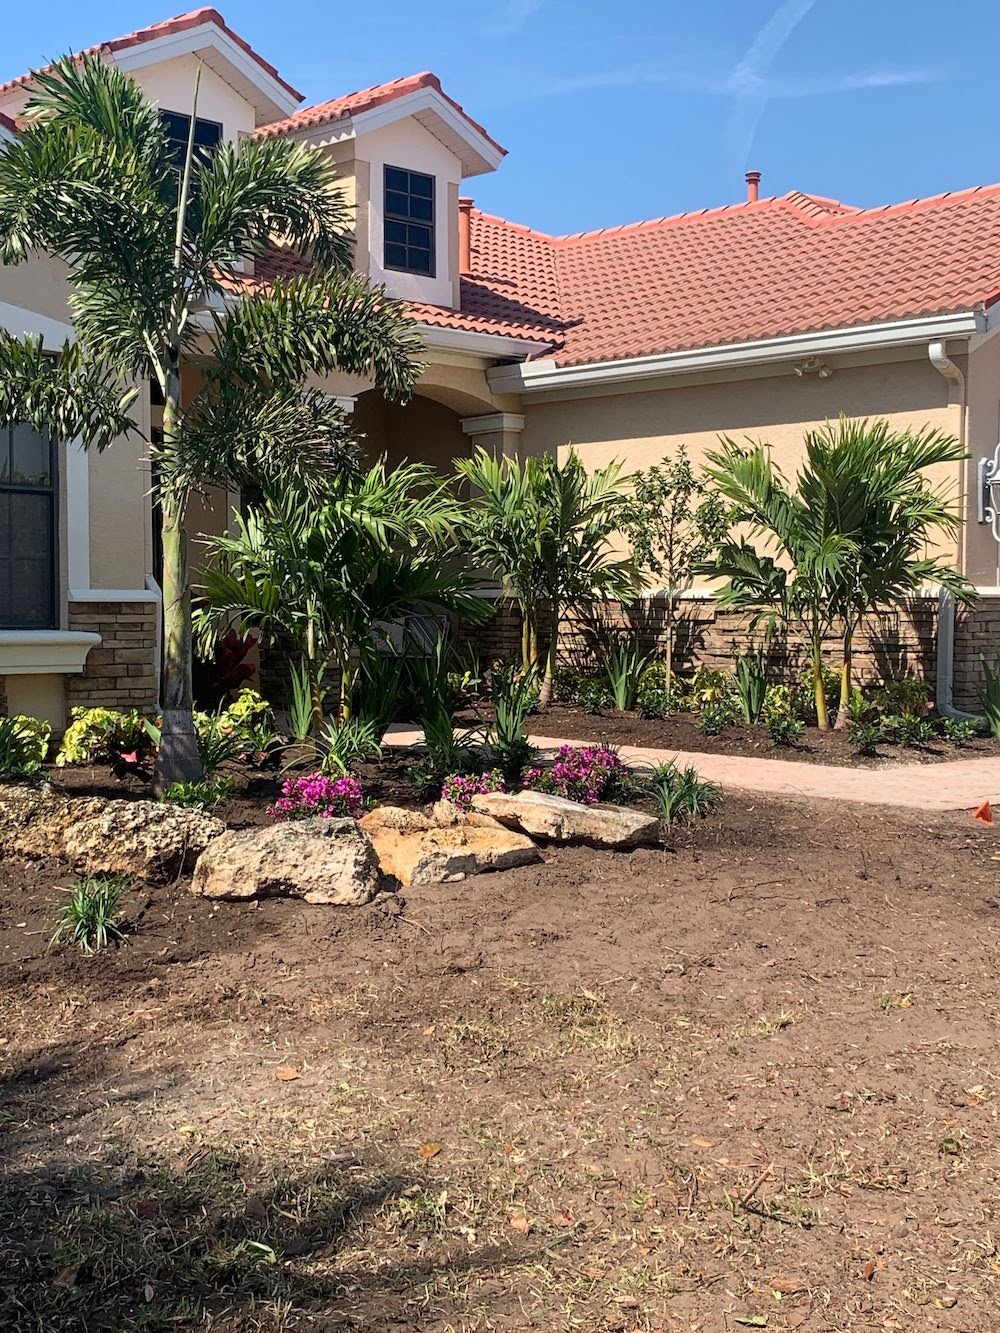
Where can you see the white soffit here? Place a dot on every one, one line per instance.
(476, 152)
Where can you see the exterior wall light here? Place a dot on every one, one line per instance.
(813, 366)
(989, 492)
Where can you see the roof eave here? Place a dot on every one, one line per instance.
(497, 346)
(546, 374)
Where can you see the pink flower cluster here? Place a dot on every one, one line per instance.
(460, 788)
(316, 794)
(580, 773)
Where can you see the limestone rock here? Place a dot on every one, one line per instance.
(326, 861)
(559, 820)
(144, 838)
(448, 845)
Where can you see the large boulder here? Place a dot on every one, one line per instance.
(444, 846)
(327, 861)
(154, 841)
(558, 820)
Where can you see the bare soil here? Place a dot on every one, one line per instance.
(680, 733)
(749, 1079)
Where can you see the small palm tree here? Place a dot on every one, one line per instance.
(158, 260)
(850, 536)
(381, 545)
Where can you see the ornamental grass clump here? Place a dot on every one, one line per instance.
(588, 774)
(459, 788)
(317, 794)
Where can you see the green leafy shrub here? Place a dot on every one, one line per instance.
(680, 794)
(200, 795)
(103, 735)
(250, 710)
(343, 744)
(24, 743)
(751, 684)
(716, 716)
(806, 697)
(656, 697)
(908, 697)
(624, 670)
(866, 736)
(378, 692)
(780, 701)
(92, 916)
(447, 751)
(785, 730)
(959, 731)
(710, 686)
(583, 689)
(989, 695)
(909, 730)
(514, 696)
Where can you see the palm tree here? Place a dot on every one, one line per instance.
(850, 536)
(382, 544)
(157, 258)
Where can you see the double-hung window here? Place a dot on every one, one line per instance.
(409, 221)
(207, 136)
(27, 529)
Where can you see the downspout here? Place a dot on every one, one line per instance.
(945, 688)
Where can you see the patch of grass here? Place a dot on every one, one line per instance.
(586, 1022)
(91, 918)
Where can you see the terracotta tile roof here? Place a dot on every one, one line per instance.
(352, 104)
(785, 265)
(194, 18)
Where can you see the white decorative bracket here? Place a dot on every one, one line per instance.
(989, 492)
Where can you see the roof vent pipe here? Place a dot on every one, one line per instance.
(753, 186)
(465, 236)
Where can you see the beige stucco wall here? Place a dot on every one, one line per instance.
(983, 393)
(641, 428)
(170, 85)
(39, 284)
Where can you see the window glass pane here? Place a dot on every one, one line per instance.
(395, 232)
(31, 458)
(396, 179)
(421, 185)
(395, 256)
(417, 235)
(421, 208)
(420, 261)
(27, 568)
(397, 204)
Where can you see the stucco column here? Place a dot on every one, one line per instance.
(498, 432)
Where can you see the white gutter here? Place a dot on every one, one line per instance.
(496, 345)
(541, 375)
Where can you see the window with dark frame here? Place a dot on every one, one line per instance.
(27, 529)
(409, 221)
(207, 136)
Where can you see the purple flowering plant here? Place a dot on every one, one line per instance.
(317, 794)
(585, 773)
(459, 788)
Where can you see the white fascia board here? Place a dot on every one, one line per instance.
(275, 101)
(546, 375)
(484, 155)
(15, 319)
(498, 346)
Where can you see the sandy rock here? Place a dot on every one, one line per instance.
(445, 846)
(326, 861)
(558, 820)
(156, 842)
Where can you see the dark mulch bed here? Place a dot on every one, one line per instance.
(680, 733)
(747, 1079)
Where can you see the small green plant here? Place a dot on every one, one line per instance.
(680, 794)
(625, 668)
(217, 740)
(780, 701)
(250, 710)
(751, 684)
(909, 730)
(102, 736)
(514, 696)
(200, 795)
(959, 731)
(807, 693)
(716, 716)
(343, 744)
(447, 752)
(785, 730)
(865, 736)
(300, 702)
(429, 672)
(656, 696)
(91, 918)
(989, 695)
(24, 743)
(908, 697)
(710, 686)
(379, 689)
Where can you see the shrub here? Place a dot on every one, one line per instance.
(785, 730)
(709, 686)
(865, 736)
(318, 794)
(24, 743)
(103, 735)
(378, 691)
(447, 751)
(908, 730)
(341, 745)
(200, 795)
(218, 741)
(715, 716)
(959, 731)
(514, 696)
(989, 695)
(656, 696)
(588, 774)
(806, 696)
(459, 788)
(680, 794)
(250, 711)
(584, 689)
(904, 698)
(781, 701)
(751, 684)
(624, 669)
(92, 916)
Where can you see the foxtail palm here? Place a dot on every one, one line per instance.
(157, 258)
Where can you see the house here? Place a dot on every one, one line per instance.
(763, 318)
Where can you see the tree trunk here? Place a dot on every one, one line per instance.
(548, 683)
(177, 759)
(670, 644)
(844, 711)
(526, 662)
(822, 717)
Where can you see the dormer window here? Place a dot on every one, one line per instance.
(409, 221)
(207, 136)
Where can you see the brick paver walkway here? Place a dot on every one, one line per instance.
(960, 784)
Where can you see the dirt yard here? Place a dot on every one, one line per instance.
(750, 1080)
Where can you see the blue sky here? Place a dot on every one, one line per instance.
(613, 113)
